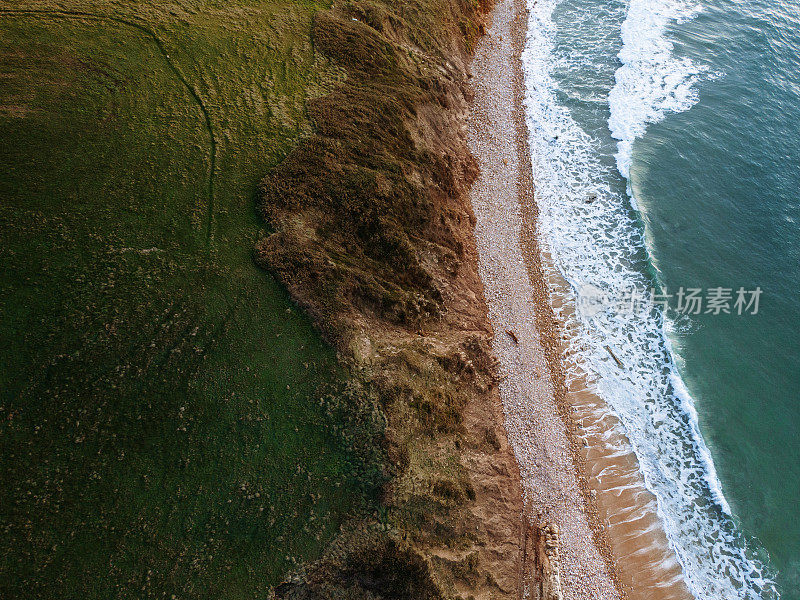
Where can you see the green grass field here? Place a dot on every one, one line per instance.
(162, 423)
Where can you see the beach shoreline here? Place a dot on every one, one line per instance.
(574, 475)
(526, 332)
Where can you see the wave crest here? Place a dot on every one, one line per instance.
(652, 81)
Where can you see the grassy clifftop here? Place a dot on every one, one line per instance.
(170, 423)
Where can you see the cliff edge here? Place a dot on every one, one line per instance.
(371, 231)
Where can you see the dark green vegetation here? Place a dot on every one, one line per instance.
(169, 424)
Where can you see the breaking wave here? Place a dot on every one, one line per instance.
(597, 243)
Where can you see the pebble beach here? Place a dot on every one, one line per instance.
(526, 336)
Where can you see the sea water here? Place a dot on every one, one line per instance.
(665, 141)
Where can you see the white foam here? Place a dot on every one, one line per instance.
(687, 406)
(652, 81)
(589, 230)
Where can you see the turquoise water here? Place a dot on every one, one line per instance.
(665, 139)
(719, 189)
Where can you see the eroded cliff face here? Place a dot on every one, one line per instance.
(372, 233)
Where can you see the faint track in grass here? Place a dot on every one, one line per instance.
(149, 33)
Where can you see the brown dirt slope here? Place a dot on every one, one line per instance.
(371, 231)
